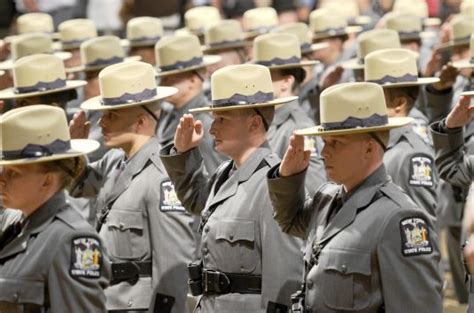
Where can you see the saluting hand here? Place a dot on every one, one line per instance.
(447, 77)
(189, 133)
(461, 114)
(79, 126)
(296, 158)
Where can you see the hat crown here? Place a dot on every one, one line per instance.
(244, 79)
(323, 20)
(200, 18)
(467, 8)
(144, 27)
(377, 39)
(461, 27)
(35, 22)
(273, 46)
(77, 30)
(260, 19)
(29, 44)
(171, 50)
(347, 101)
(126, 78)
(402, 22)
(101, 49)
(347, 8)
(36, 124)
(415, 7)
(300, 30)
(390, 63)
(224, 31)
(38, 68)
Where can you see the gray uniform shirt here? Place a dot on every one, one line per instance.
(56, 264)
(241, 235)
(146, 222)
(379, 251)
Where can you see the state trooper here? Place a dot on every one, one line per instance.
(145, 229)
(369, 247)
(51, 259)
(248, 264)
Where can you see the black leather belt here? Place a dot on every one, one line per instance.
(130, 271)
(214, 282)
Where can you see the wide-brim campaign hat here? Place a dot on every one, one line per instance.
(467, 63)
(461, 29)
(352, 108)
(100, 52)
(301, 30)
(370, 41)
(467, 8)
(418, 8)
(143, 31)
(468, 93)
(179, 54)
(349, 9)
(39, 74)
(408, 26)
(125, 85)
(259, 21)
(35, 22)
(198, 19)
(279, 51)
(394, 68)
(29, 44)
(244, 86)
(39, 133)
(74, 32)
(327, 23)
(225, 35)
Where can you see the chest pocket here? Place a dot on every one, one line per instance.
(21, 295)
(125, 235)
(236, 241)
(349, 273)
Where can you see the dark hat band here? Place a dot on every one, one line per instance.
(144, 95)
(280, 61)
(36, 151)
(182, 64)
(355, 122)
(226, 43)
(407, 78)
(42, 86)
(105, 62)
(333, 31)
(239, 99)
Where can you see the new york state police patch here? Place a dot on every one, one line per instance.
(415, 236)
(421, 171)
(169, 201)
(86, 257)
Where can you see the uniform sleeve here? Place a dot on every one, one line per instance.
(408, 256)
(435, 104)
(315, 174)
(292, 207)
(454, 165)
(78, 275)
(186, 171)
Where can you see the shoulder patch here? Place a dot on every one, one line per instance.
(415, 236)
(311, 144)
(421, 171)
(169, 201)
(86, 257)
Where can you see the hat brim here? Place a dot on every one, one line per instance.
(451, 44)
(467, 63)
(468, 93)
(362, 20)
(393, 122)
(431, 21)
(79, 147)
(347, 30)
(8, 64)
(274, 102)
(224, 47)
(9, 93)
(83, 68)
(207, 60)
(315, 47)
(419, 82)
(95, 103)
(291, 65)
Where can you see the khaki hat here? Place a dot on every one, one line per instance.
(349, 9)
(35, 23)
(37, 75)
(326, 23)
(278, 51)
(259, 21)
(394, 68)
(244, 86)
(29, 44)
(99, 52)
(467, 8)
(418, 8)
(125, 85)
(39, 133)
(179, 54)
(467, 63)
(143, 31)
(225, 35)
(301, 30)
(74, 32)
(461, 29)
(351, 108)
(370, 41)
(198, 19)
(408, 26)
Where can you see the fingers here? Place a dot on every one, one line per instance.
(198, 127)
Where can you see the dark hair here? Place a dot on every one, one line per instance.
(298, 73)
(70, 169)
(410, 93)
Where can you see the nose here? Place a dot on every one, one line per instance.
(325, 152)
(212, 129)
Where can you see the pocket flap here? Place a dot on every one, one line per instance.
(347, 262)
(125, 219)
(234, 230)
(21, 291)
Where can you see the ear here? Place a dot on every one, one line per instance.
(255, 123)
(48, 180)
(141, 121)
(400, 104)
(288, 82)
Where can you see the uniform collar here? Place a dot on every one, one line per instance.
(284, 112)
(249, 167)
(396, 134)
(196, 102)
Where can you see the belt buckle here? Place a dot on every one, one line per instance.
(214, 281)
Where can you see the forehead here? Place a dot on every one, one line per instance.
(346, 138)
(231, 113)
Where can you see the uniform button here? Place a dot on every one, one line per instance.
(15, 297)
(231, 236)
(309, 284)
(206, 229)
(205, 250)
(344, 268)
(129, 303)
(165, 300)
(309, 309)
(121, 225)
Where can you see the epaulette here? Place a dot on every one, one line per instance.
(71, 218)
